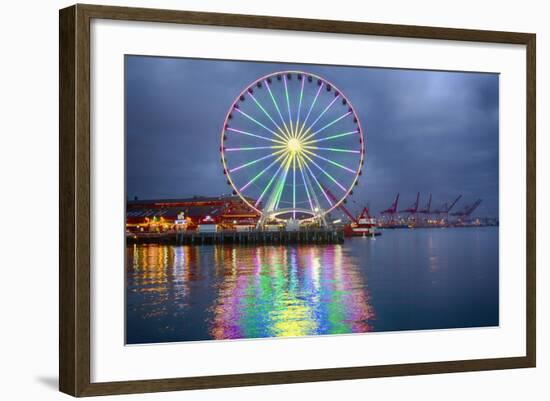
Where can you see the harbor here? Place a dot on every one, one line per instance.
(229, 220)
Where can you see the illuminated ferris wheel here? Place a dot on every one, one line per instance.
(292, 146)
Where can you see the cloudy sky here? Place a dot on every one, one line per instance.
(427, 131)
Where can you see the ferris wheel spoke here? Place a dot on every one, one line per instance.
(310, 109)
(313, 191)
(261, 173)
(325, 172)
(294, 186)
(300, 104)
(260, 124)
(277, 107)
(326, 126)
(300, 166)
(262, 108)
(332, 149)
(250, 163)
(318, 183)
(288, 107)
(254, 135)
(319, 117)
(274, 198)
(282, 182)
(254, 148)
(330, 161)
(307, 142)
(269, 183)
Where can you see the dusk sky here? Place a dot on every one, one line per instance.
(427, 131)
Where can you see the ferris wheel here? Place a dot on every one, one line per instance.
(292, 146)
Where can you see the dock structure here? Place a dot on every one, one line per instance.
(310, 236)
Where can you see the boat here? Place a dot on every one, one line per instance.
(363, 226)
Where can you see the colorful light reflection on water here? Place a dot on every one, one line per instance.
(406, 280)
(248, 292)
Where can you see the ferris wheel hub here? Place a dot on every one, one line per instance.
(294, 145)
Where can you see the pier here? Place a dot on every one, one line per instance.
(310, 236)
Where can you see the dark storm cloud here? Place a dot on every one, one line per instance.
(427, 131)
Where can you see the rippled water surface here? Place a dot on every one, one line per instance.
(403, 280)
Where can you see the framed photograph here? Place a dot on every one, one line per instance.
(249, 200)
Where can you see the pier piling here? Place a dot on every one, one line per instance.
(319, 236)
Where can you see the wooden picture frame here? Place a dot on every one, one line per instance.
(74, 203)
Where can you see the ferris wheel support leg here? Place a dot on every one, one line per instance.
(323, 221)
(261, 222)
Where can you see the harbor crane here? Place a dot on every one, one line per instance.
(364, 225)
(467, 210)
(426, 210)
(393, 208)
(445, 208)
(414, 207)
(344, 209)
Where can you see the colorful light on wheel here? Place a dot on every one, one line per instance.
(292, 145)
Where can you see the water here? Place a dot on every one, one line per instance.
(403, 280)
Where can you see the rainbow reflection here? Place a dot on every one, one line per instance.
(290, 291)
(185, 293)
